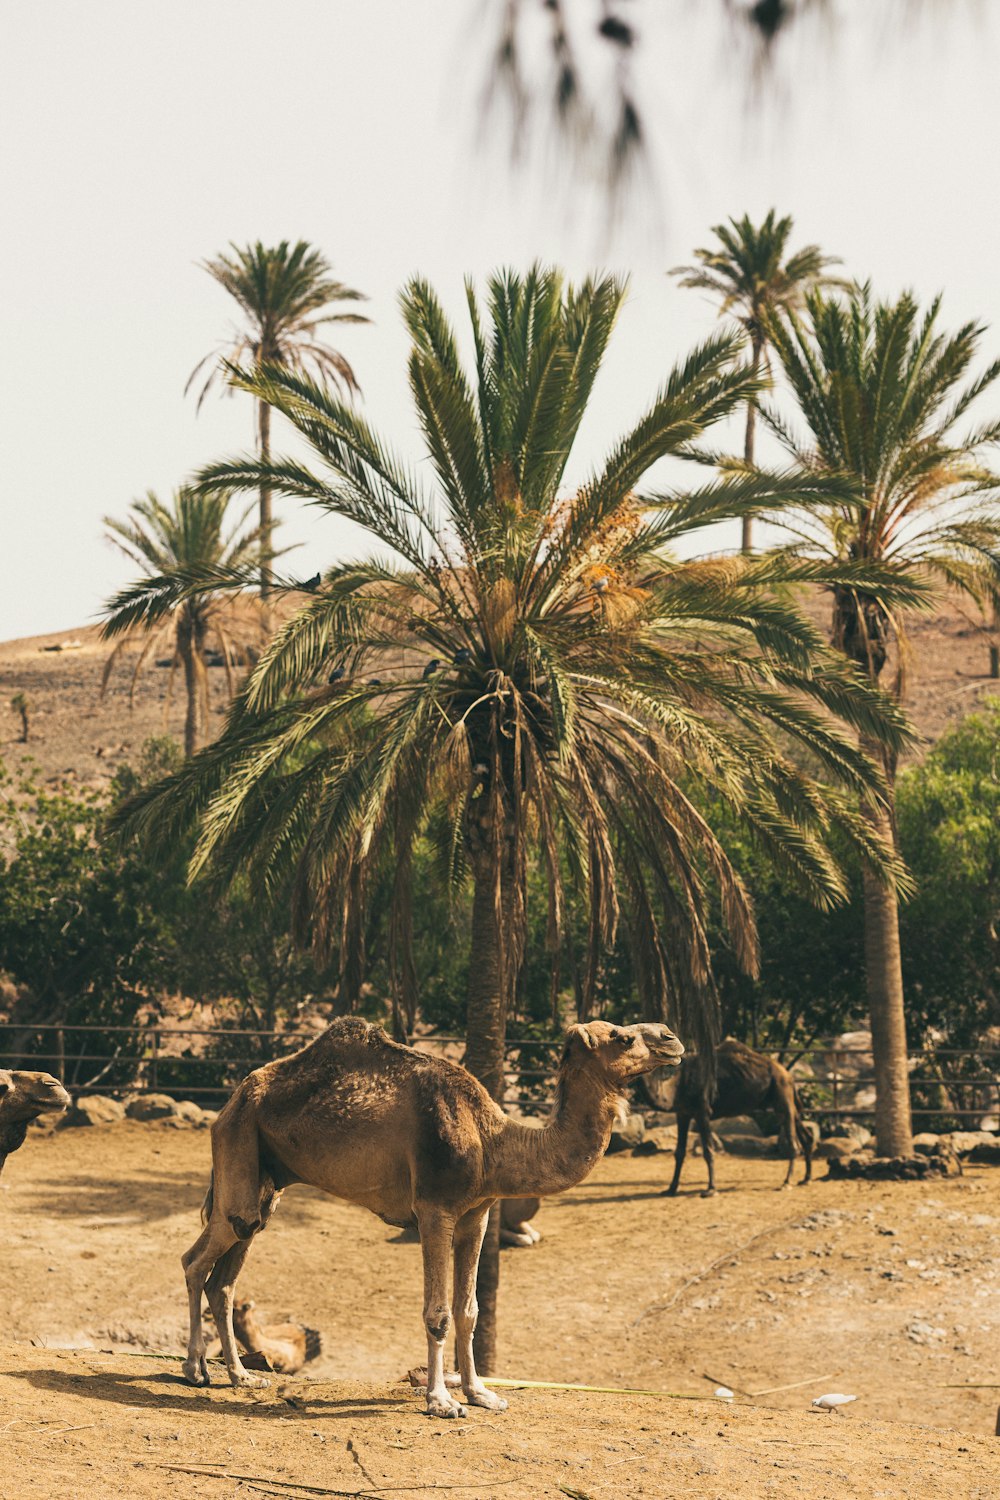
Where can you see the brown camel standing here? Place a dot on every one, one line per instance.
(413, 1138)
(23, 1097)
(744, 1081)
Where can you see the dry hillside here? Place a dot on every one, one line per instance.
(77, 734)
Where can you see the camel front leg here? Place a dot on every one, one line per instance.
(469, 1235)
(437, 1232)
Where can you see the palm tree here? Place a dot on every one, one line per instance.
(177, 542)
(285, 294)
(883, 393)
(750, 275)
(529, 665)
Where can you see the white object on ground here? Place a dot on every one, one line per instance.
(832, 1403)
(723, 1392)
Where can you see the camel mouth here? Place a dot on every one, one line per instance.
(51, 1097)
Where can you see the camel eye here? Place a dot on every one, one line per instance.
(625, 1040)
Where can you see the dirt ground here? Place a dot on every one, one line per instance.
(885, 1291)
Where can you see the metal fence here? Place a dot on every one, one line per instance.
(206, 1063)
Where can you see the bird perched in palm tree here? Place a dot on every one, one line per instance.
(557, 723)
(883, 392)
(751, 274)
(287, 295)
(169, 544)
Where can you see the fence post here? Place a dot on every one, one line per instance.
(153, 1072)
(60, 1054)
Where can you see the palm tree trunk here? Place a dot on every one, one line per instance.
(886, 1001)
(266, 519)
(190, 648)
(486, 1025)
(749, 441)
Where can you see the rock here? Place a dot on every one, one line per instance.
(664, 1139)
(837, 1146)
(626, 1135)
(646, 1147)
(190, 1112)
(751, 1145)
(864, 1165)
(93, 1109)
(964, 1141)
(737, 1125)
(152, 1107)
(987, 1153)
(924, 1333)
(927, 1143)
(208, 1118)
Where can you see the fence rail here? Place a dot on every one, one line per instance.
(206, 1063)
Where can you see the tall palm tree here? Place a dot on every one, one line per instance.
(187, 538)
(753, 277)
(530, 661)
(883, 393)
(286, 294)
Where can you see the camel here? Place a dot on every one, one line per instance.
(744, 1081)
(23, 1097)
(413, 1138)
(285, 1347)
(515, 1229)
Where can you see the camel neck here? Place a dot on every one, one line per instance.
(11, 1136)
(536, 1163)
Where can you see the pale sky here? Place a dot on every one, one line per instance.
(140, 139)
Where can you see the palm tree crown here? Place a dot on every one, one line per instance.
(751, 275)
(287, 295)
(183, 540)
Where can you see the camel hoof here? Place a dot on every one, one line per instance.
(196, 1371)
(708, 1193)
(487, 1399)
(670, 1192)
(445, 1408)
(243, 1381)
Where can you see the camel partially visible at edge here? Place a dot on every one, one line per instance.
(413, 1138)
(23, 1097)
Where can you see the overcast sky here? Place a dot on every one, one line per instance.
(139, 139)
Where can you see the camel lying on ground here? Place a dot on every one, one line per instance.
(285, 1347)
(515, 1229)
(410, 1137)
(744, 1081)
(23, 1097)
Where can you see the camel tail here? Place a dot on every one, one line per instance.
(206, 1207)
(314, 1343)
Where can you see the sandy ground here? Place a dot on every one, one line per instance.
(886, 1291)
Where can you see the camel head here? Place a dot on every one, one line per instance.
(621, 1053)
(23, 1097)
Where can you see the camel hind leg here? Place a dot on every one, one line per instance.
(786, 1103)
(680, 1150)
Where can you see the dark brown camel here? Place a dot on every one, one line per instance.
(410, 1137)
(745, 1081)
(23, 1097)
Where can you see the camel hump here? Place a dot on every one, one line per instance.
(349, 1032)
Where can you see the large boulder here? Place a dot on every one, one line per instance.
(751, 1145)
(737, 1125)
(987, 1153)
(626, 1134)
(926, 1143)
(152, 1107)
(962, 1142)
(835, 1147)
(93, 1109)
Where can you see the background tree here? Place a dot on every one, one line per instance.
(883, 393)
(753, 277)
(286, 293)
(531, 668)
(187, 539)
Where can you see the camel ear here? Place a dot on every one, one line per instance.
(582, 1036)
